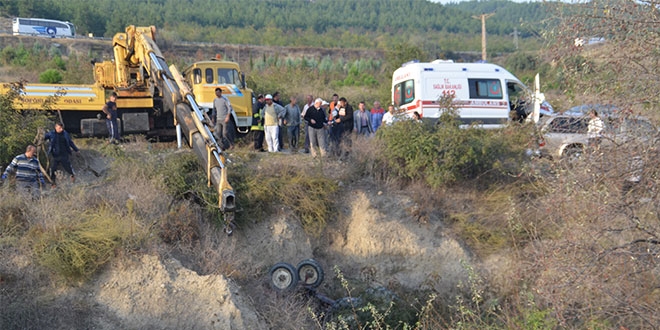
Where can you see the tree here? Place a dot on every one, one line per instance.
(17, 129)
(601, 270)
(50, 76)
(620, 51)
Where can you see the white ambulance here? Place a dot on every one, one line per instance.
(483, 93)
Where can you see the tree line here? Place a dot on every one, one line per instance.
(324, 23)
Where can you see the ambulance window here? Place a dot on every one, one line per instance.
(396, 95)
(408, 91)
(209, 75)
(403, 93)
(485, 88)
(197, 76)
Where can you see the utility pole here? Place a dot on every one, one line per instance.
(515, 37)
(483, 18)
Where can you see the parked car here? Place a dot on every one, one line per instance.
(565, 136)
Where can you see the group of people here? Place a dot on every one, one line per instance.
(27, 168)
(326, 125)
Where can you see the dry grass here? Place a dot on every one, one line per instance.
(576, 250)
(76, 250)
(280, 182)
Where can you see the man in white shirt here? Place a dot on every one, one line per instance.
(388, 117)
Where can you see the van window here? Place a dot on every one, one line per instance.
(485, 89)
(404, 92)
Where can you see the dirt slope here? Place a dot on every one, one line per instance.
(152, 294)
(376, 239)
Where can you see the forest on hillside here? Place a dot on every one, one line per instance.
(323, 23)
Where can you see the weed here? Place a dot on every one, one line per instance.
(13, 221)
(77, 250)
(307, 193)
(180, 225)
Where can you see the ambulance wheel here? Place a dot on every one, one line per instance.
(283, 276)
(310, 273)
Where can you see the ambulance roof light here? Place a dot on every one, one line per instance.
(409, 62)
(439, 61)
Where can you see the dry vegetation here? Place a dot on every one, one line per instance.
(551, 244)
(420, 241)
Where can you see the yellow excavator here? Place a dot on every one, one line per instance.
(153, 98)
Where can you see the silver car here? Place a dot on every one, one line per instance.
(565, 136)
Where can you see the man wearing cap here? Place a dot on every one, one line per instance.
(222, 114)
(272, 112)
(282, 131)
(258, 123)
(316, 118)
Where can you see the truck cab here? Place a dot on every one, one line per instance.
(205, 76)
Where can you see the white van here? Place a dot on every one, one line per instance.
(483, 93)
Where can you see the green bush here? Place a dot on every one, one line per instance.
(58, 63)
(521, 62)
(50, 76)
(444, 154)
(17, 128)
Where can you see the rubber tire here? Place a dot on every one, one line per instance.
(283, 276)
(310, 273)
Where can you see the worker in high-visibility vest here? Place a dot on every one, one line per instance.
(258, 124)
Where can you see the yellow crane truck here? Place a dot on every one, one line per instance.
(152, 99)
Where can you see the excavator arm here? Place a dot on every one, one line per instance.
(143, 59)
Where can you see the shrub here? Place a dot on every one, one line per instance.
(50, 76)
(306, 192)
(13, 221)
(58, 63)
(77, 250)
(521, 62)
(17, 129)
(444, 154)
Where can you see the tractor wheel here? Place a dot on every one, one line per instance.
(283, 276)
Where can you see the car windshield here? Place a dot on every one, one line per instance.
(567, 125)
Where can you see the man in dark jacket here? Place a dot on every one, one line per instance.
(111, 115)
(59, 151)
(315, 117)
(342, 126)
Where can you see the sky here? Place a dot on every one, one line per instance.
(450, 1)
